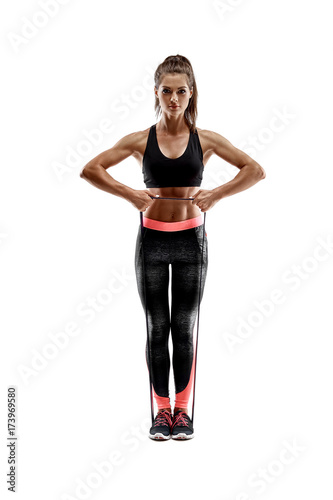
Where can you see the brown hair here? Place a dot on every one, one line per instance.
(179, 64)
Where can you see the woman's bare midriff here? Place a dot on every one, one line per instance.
(173, 210)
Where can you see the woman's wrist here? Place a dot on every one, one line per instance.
(123, 191)
(217, 193)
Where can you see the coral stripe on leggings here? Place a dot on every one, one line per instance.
(175, 247)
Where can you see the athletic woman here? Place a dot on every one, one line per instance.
(172, 154)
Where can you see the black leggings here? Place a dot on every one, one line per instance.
(183, 250)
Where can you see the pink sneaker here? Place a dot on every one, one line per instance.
(182, 427)
(161, 429)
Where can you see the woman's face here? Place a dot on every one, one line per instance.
(173, 91)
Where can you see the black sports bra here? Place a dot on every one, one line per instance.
(160, 171)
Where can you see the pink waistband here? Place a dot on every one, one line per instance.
(172, 226)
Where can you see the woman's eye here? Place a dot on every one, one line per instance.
(167, 90)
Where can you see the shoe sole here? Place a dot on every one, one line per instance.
(159, 437)
(181, 436)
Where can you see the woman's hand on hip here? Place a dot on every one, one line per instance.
(140, 199)
(205, 199)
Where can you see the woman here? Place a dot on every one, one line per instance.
(172, 154)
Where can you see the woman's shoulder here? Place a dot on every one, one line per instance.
(206, 138)
(137, 141)
(207, 134)
(209, 139)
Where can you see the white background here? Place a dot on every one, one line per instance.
(62, 241)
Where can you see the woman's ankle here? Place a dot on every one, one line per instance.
(180, 409)
(164, 409)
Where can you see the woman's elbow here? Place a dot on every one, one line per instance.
(87, 171)
(261, 174)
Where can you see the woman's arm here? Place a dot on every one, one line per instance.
(250, 171)
(95, 172)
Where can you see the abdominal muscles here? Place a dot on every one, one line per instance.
(173, 210)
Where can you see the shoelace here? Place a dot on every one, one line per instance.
(163, 418)
(182, 419)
